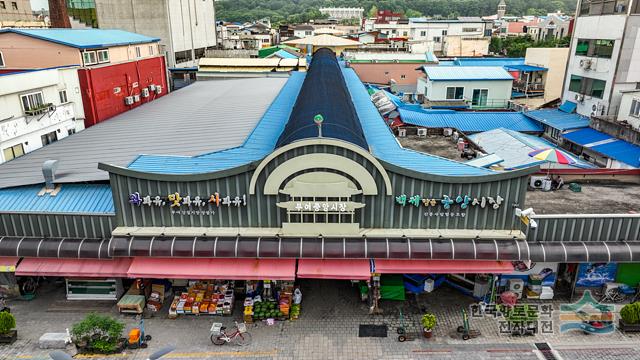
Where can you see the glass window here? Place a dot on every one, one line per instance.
(13, 152)
(423, 33)
(575, 84)
(32, 101)
(480, 97)
(597, 88)
(89, 57)
(444, 32)
(437, 39)
(49, 138)
(1, 60)
(14, 5)
(603, 48)
(455, 93)
(151, 50)
(3, 5)
(103, 56)
(63, 96)
(138, 54)
(582, 47)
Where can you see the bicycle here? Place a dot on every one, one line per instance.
(240, 335)
(613, 295)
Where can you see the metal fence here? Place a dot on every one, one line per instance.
(585, 227)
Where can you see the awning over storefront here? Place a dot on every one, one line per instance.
(204, 269)
(74, 248)
(8, 263)
(386, 266)
(82, 268)
(348, 269)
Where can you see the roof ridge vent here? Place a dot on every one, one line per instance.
(49, 168)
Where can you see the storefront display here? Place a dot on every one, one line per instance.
(214, 297)
(267, 300)
(94, 289)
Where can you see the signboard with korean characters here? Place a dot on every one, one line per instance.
(185, 204)
(449, 205)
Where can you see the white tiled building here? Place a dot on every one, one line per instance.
(340, 13)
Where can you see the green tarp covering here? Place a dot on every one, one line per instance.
(392, 287)
(628, 273)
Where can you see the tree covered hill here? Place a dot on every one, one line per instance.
(297, 11)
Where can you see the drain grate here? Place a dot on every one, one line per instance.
(372, 331)
(546, 351)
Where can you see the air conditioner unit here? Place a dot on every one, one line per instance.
(516, 286)
(586, 64)
(136, 97)
(158, 89)
(145, 92)
(579, 97)
(447, 131)
(128, 100)
(402, 133)
(152, 87)
(540, 182)
(422, 132)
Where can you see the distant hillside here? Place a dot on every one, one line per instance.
(295, 11)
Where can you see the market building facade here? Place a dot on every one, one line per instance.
(320, 188)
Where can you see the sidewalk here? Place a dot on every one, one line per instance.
(327, 329)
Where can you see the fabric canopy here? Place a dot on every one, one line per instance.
(74, 267)
(204, 269)
(8, 263)
(355, 269)
(385, 266)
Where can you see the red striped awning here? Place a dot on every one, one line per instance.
(207, 269)
(354, 269)
(81, 268)
(385, 266)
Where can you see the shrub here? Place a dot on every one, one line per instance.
(7, 322)
(428, 321)
(97, 333)
(630, 313)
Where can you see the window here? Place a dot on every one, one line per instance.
(553, 132)
(63, 96)
(603, 7)
(138, 54)
(71, 131)
(89, 58)
(469, 29)
(444, 32)
(404, 33)
(480, 97)
(103, 56)
(437, 39)
(151, 50)
(1, 60)
(403, 76)
(14, 5)
(455, 93)
(32, 101)
(423, 33)
(49, 138)
(587, 86)
(2, 5)
(635, 108)
(182, 56)
(595, 48)
(13, 152)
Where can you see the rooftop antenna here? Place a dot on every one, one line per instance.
(318, 119)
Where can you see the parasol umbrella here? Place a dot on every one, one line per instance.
(553, 155)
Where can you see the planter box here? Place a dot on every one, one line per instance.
(628, 327)
(9, 338)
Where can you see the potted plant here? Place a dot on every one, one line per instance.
(428, 322)
(7, 324)
(630, 318)
(98, 334)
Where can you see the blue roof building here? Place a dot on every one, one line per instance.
(85, 38)
(605, 149)
(469, 122)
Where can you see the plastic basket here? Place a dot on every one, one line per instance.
(216, 328)
(242, 327)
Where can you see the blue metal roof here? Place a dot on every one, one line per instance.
(568, 107)
(466, 73)
(258, 144)
(607, 145)
(559, 119)
(385, 146)
(587, 136)
(470, 122)
(85, 38)
(526, 68)
(488, 61)
(284, 54)
(72, 198)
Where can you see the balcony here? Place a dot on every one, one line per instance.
(528, 88)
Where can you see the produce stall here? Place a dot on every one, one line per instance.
(268, 299)
(215, 297)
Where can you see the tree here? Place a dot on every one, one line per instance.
(373, 12)
(410, 13)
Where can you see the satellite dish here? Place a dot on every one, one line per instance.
(162, 352)
(60, 355)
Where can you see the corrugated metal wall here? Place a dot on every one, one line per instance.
(585, 228)
(57, 225)
(380, 211)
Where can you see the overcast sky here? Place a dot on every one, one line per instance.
(39, 4)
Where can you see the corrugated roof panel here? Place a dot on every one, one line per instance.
(72, 198)
(469, 122)
(526, 68)
(622, 151)
(85, 38)
(384, 145)
(488, 61)
(203, 117)
(559, 119)
(466, 73)
(586, 136)
(260, 142)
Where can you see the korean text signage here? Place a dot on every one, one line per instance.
(455, 206)
(184, 204)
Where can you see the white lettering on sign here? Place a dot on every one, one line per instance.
(177, 200)
(327, 206)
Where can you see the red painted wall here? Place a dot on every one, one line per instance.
(99, 86)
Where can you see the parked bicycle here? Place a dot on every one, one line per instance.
(239, 336)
